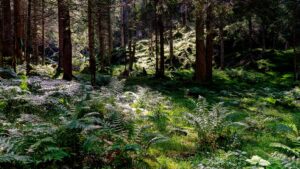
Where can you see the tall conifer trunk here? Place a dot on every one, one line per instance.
(91, 43)
(64, 26)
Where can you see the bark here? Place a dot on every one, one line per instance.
(171, 44)
(123, 43)
(91, 43)
(101, 39)
(18, 25)
(151, 47)
(221, 31)
(43, 32)
(264, 38)
(156, 44)
(130, 65)
(28, 37)
(110, 36)
(35, 32)
(8, 41)
(60, 37)
(200, 65)
(1, 36)
(209, 43)
(161, 41)
(184, 13)
(222, 57)
(296, 69)
(63, 8)
(132, 37)
(250, 25)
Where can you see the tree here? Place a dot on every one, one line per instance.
(1, 35)
(132, 36)
(110, 35)
(101, 35)
(43, 32)
(28, 37)
(65, 38)
(222, 10)
(35, 52)
(156, 38)
(161, 28)
(19, 29)
(209, 40)
(200, 65)
(91, 42)
(8, 41)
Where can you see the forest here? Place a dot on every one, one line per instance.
(149, 84)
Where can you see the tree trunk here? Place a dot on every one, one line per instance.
(161, 41)
(110, 36)
(60, 37)
(209, 42)
(28, 37)
(171, 43)
(221, 31)
(200, 65)
(43, 32)
(250, 33)
(1, 36)
(184, 13)
(123, 24)
(35, 33)
(91, 43)
(63, 8)
(132, 33)
(130, 65)
(156, 41)
(8, 41)
(18, 24)
(296, 69)
(101, 39)
(264, 38)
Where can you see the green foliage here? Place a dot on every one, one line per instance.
(159, 118)
(264, 64)
(286, 161)
(24, 83)
(208, 122)
(293, 143)
(258, 162)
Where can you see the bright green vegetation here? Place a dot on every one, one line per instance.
(172, 123)
(247, 118)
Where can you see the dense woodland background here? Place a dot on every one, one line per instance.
(149, 84)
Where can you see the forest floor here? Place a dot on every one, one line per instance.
(267, 105)
(261, 109)
(248, 117)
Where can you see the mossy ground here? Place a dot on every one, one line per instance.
(248, 96)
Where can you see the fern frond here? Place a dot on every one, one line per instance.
(155, 140)
(41, 144)
(286, 149)
(54, 154)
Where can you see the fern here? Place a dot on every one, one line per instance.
(286, 161)
(287, 149)
(294, 142)
(40, 145)
(15, 158)
(208, 122)
(54, 154)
